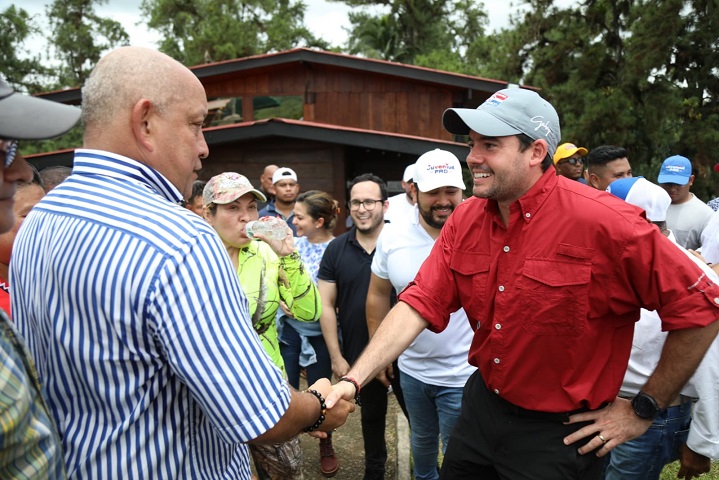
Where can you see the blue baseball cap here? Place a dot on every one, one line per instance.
(676, 169)
(644, 194)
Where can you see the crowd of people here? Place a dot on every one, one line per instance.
(559, 323)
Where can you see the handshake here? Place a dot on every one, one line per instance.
(336, 403)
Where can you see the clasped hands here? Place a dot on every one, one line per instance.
(337, 410)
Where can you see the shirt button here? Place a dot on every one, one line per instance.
(478, 325)
(528, 215)
(496, 391)
(498, 326)
(501, 288)
(496, 360)
(506, 249)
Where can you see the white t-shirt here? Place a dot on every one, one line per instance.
(647, 347)
(687, 221)
(433, 358)
(399, 210)
(710, 239)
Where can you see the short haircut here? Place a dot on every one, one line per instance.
(198, 186)
(525, 141)
(54, 176)
(600, 156)
(370, 177)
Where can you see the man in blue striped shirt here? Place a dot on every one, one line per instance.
(130, 305)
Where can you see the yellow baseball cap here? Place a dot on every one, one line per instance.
(566, 150)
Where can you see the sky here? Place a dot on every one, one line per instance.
(325, 19)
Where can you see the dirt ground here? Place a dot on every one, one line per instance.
(350, 449)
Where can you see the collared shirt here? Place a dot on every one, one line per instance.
(347, 265)
(271, 211)
(433, 358)
(703, 386)
(554, 296)
(29, 445)
(134, 315)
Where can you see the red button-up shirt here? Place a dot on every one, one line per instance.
(553, 298)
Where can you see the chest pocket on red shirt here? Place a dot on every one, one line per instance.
(471, 275)
(555, 297)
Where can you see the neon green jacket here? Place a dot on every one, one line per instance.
(266, 279)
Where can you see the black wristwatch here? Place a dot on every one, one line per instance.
(645, 406)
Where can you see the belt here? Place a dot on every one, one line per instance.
(559, 417)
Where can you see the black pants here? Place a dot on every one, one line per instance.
(374, 420)
(494, 439)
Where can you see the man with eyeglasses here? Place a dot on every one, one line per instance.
(28, 438)
(344, 277)
(569, 161)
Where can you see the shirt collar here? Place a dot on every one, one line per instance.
(100, 162)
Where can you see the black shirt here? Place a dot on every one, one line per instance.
(346, 264)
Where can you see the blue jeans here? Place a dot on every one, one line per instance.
(433, 411)
(644, 457)
(290, 348)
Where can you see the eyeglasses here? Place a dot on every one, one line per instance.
(9, 149)
(572, 161)
(367, 204)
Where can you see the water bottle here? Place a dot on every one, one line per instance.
(273, 228)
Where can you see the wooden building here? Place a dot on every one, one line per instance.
(326, 115)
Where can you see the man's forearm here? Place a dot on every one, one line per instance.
(397, 331)
(683, 351)
(328, 324)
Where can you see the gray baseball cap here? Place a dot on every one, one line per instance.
(508, 112)
(23, 117)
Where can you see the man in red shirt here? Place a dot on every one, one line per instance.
(552, 276)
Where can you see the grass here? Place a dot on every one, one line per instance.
(670, 472)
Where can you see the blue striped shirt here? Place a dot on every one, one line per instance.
(134, 315)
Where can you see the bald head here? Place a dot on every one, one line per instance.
(142, 104)
(122, 78)
(266, 179)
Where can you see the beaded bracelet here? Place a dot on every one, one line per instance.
(323, 411)
(357, 388)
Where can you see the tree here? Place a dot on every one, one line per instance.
(20, 68)
(80, 37)
(431, 33)
(201, 31)
(635, 73)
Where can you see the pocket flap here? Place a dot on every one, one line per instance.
(557, 274)
(469, 263)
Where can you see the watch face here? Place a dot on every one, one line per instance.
(645, 406)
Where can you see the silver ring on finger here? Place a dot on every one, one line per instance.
(604, 440)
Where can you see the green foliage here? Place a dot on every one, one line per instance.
(203, 31)
(636, 73)
(80, 37)
(72, 139)
(21, 68)
(432, 33)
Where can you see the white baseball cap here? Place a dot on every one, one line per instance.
(408, 173)
(644, 194)
(283, 173)
(437, 168)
